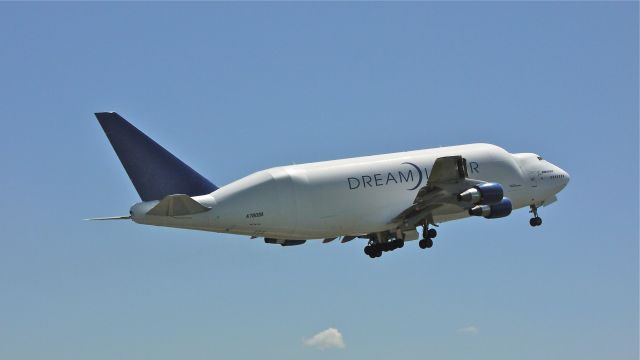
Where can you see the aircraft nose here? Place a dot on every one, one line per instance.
(565, 176)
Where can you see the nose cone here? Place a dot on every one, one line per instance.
(565, 178)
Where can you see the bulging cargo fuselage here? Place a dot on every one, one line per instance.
(356, 196)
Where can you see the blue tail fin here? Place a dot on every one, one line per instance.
(154, 171)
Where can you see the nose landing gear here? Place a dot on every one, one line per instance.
(535, 220)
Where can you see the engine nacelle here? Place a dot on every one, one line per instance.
(284, 242)
(485, 194)
(501, 209)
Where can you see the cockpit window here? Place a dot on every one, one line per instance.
(539, 157)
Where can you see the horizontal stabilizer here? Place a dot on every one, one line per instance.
(177, 205)
(125, 217)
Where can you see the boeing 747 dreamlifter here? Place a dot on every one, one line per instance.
(381, 198)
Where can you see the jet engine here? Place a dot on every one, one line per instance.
(494, 211)
(284, 242)
(485, 194)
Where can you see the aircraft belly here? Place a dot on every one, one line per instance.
(519, 197)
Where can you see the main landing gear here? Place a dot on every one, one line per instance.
(388, 241)
(535, 220)
(428, 236)
(375, 249)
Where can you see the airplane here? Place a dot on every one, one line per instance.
(384, 199)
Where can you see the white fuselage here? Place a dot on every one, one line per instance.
(356, 196)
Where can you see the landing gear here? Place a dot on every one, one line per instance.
(428, 235)
(535, 220)
(375, 249)
(425, 243)
(372, 251)
(384, 241)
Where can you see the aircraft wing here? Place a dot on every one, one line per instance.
(448, 178)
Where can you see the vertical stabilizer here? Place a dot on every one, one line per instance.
(154, 172)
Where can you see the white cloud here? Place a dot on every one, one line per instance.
(469, 330)
(327, 339)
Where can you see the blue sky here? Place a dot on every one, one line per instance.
(235, 88)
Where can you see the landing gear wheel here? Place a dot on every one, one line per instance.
(432, 233)
(536, 221)
(425, 243)
(373, 251)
